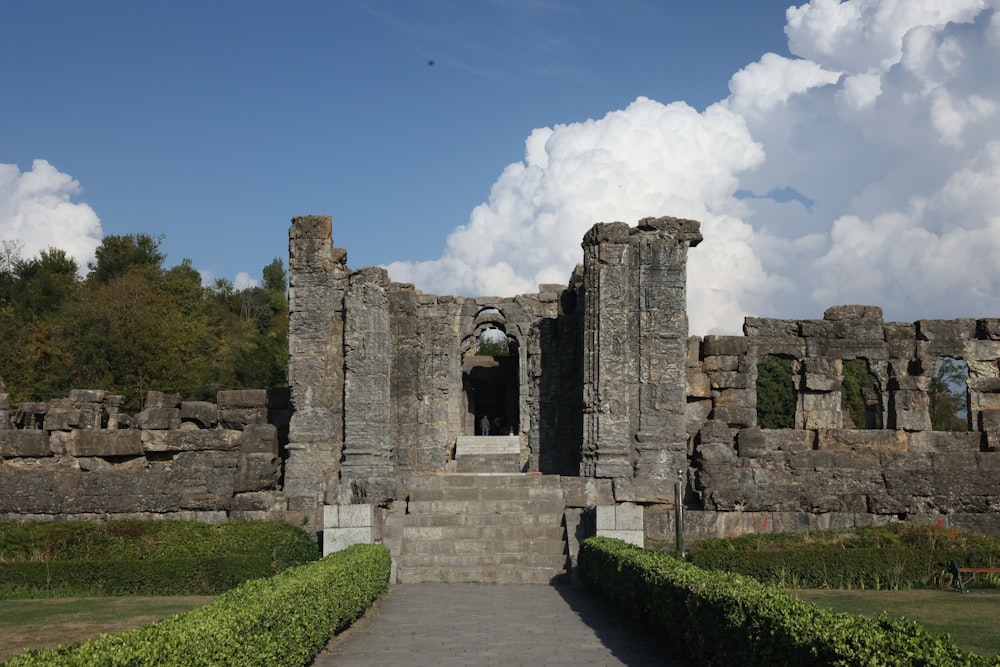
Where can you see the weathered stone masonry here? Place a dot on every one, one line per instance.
(82, 457)
(603, 388)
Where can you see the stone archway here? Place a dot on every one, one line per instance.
(491, 377)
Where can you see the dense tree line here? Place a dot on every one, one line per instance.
(131, 325)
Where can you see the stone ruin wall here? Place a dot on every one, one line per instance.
(613, 395)
(82, 457)
(825, 473)
(379, 375)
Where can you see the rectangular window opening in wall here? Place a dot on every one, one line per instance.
(860, 396)
(775, 393)
(947, 395)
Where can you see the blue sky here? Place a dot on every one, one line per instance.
(213, 123)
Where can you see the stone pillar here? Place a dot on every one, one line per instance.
(635, 331)
(317, 280)
(368, 464)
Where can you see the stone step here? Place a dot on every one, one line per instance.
(550, 506)
(484, 548)
(487, 493)
(457, 480)
(488, 463)
(495, 574)
(483, 532)
(550, 519)
(551, 561)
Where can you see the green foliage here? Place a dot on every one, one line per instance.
(492, 347)
(143, 557)
(895, 556)
(946, 395)
(133, 325)
(283, 620)
(857, 381)
(116, 255)
(775, 393)
(724, 618)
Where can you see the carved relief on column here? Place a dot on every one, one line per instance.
(635, 330)
(317, 279)
(661, 267)
(368, 452)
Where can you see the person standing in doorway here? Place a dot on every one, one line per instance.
(484, 425)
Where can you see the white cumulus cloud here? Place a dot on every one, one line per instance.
(37, 211)
(866, 169)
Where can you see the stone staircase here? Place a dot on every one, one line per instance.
(488, 528)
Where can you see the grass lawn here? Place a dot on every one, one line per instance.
(970, 618)
(51, 622)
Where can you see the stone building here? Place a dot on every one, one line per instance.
(605, 392)
(603, 409)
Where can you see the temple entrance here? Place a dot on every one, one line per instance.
(490, 379)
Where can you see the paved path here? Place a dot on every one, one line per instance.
(447, 625)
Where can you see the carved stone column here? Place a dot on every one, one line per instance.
(317, 280)
(635, 332)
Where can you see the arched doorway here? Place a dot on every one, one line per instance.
(491, 378)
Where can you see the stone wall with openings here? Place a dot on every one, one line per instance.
(83, 457)
(825, 471)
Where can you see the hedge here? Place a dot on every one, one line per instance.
(144, 557)
(724, 618)
(281, 621)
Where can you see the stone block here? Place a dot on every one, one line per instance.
(738, 398)
(710, 452)
(721, 363)
(158, 418)
(239, 418)
(989, 420)
(790, 348)
(257, 472)
(261, 438)
(735, 416)
(159, 399)
(202, 413)
(695, 415)
(697, 384)
(851, 440)
(756, 443)
(765, 327)
(20, 443)
(628, 516)
(122, 442)
(693, 352)
(586, 491)
(4, 401)
(605, 518)
(357, 516)
(646, 490)
(725, 345)
(242, 398)
(182, 440)
(729, 380)
(931, 442)
(61, 418)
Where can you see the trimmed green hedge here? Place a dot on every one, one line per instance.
(281, 621)
(724, 618)
(165, 557)
(888, 557)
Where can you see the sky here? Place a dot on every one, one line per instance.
(834, 152)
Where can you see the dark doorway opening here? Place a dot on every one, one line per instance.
(492, 387)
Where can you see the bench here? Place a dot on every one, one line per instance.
(957, 572)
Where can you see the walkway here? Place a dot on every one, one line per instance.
(449, 625)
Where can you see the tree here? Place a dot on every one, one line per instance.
(117, 254)
(859, 394)
(493, 346)
(946, 396)
(775, 393)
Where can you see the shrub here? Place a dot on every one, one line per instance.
(144, 557)
(885, 557)
(724, 618)
(280, 621)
